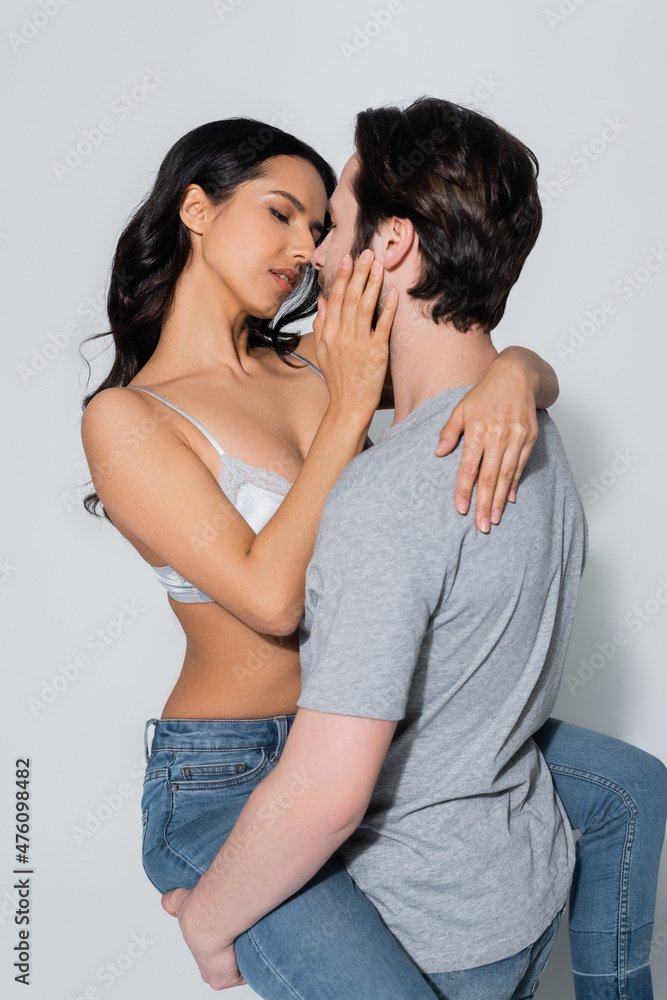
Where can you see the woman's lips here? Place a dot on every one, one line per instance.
(282, 282)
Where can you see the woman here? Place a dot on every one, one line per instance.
(207, 261)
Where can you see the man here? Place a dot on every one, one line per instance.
(430, 652)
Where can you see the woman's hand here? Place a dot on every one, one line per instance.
(217, 963)
(352, 355)
(498, 420)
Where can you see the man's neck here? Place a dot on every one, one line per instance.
(427, 358)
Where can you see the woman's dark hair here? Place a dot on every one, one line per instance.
(470, 191)
(155, 246)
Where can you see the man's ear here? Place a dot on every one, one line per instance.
(395, 241)
(195, 209)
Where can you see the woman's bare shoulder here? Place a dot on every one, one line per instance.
(114, 411)
(113, 402)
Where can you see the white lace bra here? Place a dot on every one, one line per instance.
(256, 493)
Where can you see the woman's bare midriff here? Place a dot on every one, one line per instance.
(230, 671)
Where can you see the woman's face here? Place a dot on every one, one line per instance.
(256, 246)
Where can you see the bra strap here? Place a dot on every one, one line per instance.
(309, 363)
(206, 434)
(192, 420)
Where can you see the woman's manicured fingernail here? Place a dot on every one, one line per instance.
(511, 496)
(484, 525)
(377, 267)
(496, 514)
(462, 506)
(346, 262)
(393, 294)
(366, 256)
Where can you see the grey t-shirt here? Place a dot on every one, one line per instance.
(413, 614)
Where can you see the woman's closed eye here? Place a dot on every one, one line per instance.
(279, 215)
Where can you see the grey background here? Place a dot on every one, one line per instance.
(553, 78)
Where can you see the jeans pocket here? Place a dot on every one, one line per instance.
(195, 770)
(155, 806)
(207, 791)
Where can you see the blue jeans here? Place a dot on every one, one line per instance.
(328, 940)
(616, 795)
(515, 978)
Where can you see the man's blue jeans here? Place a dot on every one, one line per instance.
(328, 941)
(616, 795)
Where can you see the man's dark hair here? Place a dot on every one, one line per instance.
(470, 191)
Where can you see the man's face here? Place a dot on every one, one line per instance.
(340, 240)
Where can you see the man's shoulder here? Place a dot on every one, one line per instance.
(399, 473)
(363, 483)
(402, 472)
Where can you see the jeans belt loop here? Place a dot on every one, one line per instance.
(281, 722)
(147, 753)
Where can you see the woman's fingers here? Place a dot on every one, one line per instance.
(484, 459)
(523, 459)
(354, 295)
(377, 345)
(507, 471)
(471, 456)
(357, 295)
(353, 354)
(337, 294)
(487, 483)
(319, 319)
(370, 295)
(499, 432)
(449, 438)
(497, 466)
(384, 323)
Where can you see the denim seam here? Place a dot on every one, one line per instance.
(281, 722)
(251, 938)
(144, 824)
(200, 871)
(595, 975)
(166, 822)
(623, 931)
(199, 749)
(165, 843)
(164, 834)
(189, 786)
(143, 865)
(611, 975)
(152, 775)
(199, 786)
(218, 768)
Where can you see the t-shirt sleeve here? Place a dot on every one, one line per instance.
(369, 597)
